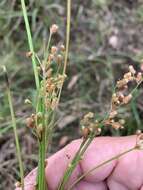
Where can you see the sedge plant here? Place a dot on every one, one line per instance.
(50, 74)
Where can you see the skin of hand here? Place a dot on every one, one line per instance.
(124, 173)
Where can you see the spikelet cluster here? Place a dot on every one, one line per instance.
(122, 97)
(52, 79)
(119, 98)
(89, 125)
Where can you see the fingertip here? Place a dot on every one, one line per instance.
(60, 161)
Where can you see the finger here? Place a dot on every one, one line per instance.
(101, 150)
(129, 171)
(126, 171)
(83, 185)
(112, 184)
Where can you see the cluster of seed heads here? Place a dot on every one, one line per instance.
(35, 122)
(52, 79)
(53, 85)
(89, 125)
(131, 75)
(120, 97)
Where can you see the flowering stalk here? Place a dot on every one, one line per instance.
(89, 133)
(92, 128)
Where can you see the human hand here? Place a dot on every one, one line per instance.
(124, 173)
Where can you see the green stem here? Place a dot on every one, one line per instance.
(42, 151)
(67, 41)
(77, 158)
(100, 165)
(47, 48)
(67, 34)
(42, 148)
(41, 166)
(18, 150)
(30, 42)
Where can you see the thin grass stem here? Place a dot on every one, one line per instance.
(30, 42)
(68, 28)
(18, 150)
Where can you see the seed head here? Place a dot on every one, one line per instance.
(139, 77)
(59, 58)
(128, 76)
(30, 122)
(49, 72)
(113, 114)
(39, 115)
(40, 128)
(132, 70)
(54, 49)
(50, 57)
(89, 115)
(140, 141)
(85, 132)
(127, 99)
(62, 47)
(54, 103)
(17, 184)
(138, 132)
(27, 101)
(54, 28)
(122, 83)
(99, 131)
(116, 125)
(29, 54)
(121, 96)
(122, 121)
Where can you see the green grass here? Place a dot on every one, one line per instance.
(13, 118)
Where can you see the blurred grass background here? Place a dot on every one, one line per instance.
(106, 37)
